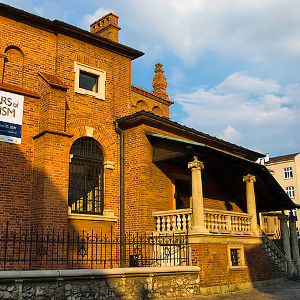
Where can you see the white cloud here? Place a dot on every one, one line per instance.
(89, 19)
(256, 113)
(255, 30)
(230, 134)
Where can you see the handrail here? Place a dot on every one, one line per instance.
(225, 212)
(273, 244)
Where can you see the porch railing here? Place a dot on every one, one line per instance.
(219, 221)
(216, 221)
(173, 220)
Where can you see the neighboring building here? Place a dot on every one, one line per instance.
(83, 149)
(286, 170)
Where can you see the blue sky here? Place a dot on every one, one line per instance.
(232, 66)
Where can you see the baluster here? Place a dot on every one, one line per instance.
(239, 224)
(243, 224)
(184, 222)
(208, 216)
(163, 224)
(168, 224)
(228, 223)
(189, 221)
(223, 222)
(158, 223)
(174, 224)
(179, 227)
(212, 222)
(233, 223)
(206, 220)
(219, 222)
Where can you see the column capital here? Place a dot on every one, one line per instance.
(249, 178)
(196, 164)
(283, 217)
(292, 218)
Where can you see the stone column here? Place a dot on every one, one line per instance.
(251, 203)
(197, 195)
(294, 240)
(285, 236)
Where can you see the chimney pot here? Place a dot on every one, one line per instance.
(107, 27)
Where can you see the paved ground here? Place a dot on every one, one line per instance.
(289, 290)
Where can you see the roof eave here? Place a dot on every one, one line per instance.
(143, 117)
(57, 27)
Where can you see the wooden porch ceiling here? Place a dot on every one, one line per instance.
(227, 169)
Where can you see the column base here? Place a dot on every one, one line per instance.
(199, 229)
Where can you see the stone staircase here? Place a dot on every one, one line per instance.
(275, 254)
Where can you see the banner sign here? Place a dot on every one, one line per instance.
(11, 115)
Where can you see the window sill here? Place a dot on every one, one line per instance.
(89, 93)
(108, 216)
(232, 268)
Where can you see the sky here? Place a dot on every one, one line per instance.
(232, 66)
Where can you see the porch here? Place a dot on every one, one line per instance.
(222, 194)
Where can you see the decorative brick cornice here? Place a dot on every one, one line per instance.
(18, 90)
(62, 133)
(53, 81)
(150, 95)
(58, 27)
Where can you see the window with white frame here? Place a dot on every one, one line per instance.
(236, 256)
(290, 191)
(288, 173)
(89, 81)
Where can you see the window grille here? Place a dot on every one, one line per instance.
(290, 191)
(288, 173)
(235, 257)
(86, 177)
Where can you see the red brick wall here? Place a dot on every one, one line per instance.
(214, 261)
(36, 172)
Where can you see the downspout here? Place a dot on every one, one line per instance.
(122, 200)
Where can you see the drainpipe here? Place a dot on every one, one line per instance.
(122, 200)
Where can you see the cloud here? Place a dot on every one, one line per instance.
(252, 30)
(230, 134)
(89, 19)
(259, 114)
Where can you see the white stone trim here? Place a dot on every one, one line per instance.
(109, 165)
(101, 80)
(108, 216)
(55, 274)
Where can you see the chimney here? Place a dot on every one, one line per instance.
(159, 82)
(107, 27)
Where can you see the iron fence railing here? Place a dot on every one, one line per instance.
(34, 250)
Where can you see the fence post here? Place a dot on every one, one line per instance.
(5, 248)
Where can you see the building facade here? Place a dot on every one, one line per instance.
(286, 170)
(83, 149)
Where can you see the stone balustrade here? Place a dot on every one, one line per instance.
(173, 220)
(219, 221)
(216, 221)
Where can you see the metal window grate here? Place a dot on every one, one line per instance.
(235, 257)
(86, 177)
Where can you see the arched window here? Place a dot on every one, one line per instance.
(157, 110)
(141, 105)
(13, 70)
(86, 177)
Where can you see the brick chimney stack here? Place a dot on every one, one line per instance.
(107, 27)
(159, 82)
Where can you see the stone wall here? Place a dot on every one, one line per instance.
(128, 283)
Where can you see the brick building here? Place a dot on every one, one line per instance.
(91, 150)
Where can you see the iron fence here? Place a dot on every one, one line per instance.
(34, 250)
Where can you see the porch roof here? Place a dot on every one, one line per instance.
(228, 168)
